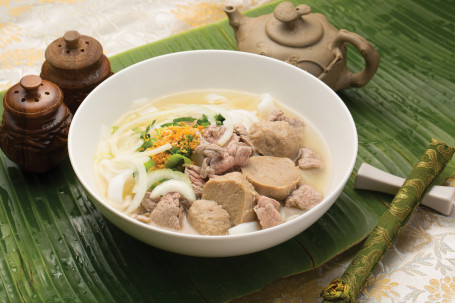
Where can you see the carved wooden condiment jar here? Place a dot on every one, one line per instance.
(34, 129)
(306, 40)
(75, 63)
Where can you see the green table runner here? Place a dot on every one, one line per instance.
(55, 246)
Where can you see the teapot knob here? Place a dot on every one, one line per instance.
(294, 26)
(287, 13)
(303, 9)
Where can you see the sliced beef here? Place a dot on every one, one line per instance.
(235, 194)
(272, 176)
(197, 182)
(213, 133)
(243, 135)
(144, 210)
(240, 130)
(149, 204)
(268, 212)
(275, 138)
(144, 218)
(216, 159)
(169, 212)
(304, 197)
(209, 218)
(240, 152)
(309, 158)
(278, 115)
(222, 159)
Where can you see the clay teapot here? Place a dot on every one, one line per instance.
(34, 129)
(306, 40)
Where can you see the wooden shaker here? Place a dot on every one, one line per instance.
(75, 63)
(34, 129)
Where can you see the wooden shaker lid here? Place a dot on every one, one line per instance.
(32, 98)
(73, 51)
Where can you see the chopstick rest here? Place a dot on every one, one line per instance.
(439, 198)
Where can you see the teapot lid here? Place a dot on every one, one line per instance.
(32, 98)
(73, 51)
(291, 26)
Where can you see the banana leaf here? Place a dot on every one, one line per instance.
(56, 247)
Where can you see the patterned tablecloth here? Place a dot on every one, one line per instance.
(419, 267)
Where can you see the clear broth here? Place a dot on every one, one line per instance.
(234, 100)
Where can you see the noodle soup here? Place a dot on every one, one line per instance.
(166, 161)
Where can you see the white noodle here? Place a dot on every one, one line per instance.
(116, 186)
(216, 99)
(266, 106)
(118, 151)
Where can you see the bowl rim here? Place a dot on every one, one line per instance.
(99, 199)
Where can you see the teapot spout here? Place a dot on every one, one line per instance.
(235, 17)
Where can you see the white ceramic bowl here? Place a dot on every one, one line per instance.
(214, 69)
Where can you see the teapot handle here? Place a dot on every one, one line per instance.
(370, 55)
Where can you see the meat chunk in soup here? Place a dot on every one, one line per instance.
(209, 218)
(272, 176)
(222, 159)
(213, 133)
(235, 194)
(304, 197)
(239, 151)
(243, 136)
(197, 182)
(298, 125)
(278, 115)
(275, 138)
(267, 211)
(309, 158)
(169, 212)
(149, 204)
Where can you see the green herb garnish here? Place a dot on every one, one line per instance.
(219, 119)
(145, 134)
(176, 161)
(149, 164)
(184, 119)
(148, 143)
(204, 121)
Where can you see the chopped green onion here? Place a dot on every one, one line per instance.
(149, 164)
(168, 124)
(174, 150)
(219, 119)
(145, 134)
(148, 143)
(204, 121)
(176, 161)
(137, 130)
(177, 121)
(184, 119)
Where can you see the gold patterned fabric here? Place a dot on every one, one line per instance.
(27, 27)
(432, 162)
(418, 267)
